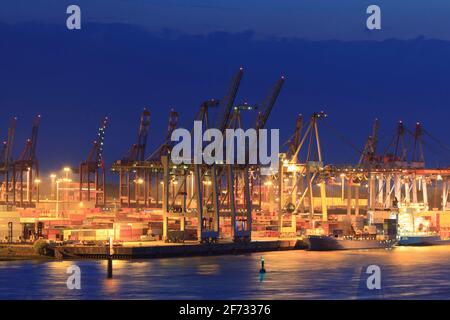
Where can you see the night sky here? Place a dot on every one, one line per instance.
(163, 54)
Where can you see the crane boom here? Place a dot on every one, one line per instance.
(369, 154)
(173, 122)
(418, 156)
(6, 155)
(268, 104)
(29, 152)
(95, 157)
(168, 143)
(143, 134)
(137, 151)
(228, 101)
(295, 140)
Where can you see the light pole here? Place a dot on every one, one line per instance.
(174, 184)
(342, 187)
(139, 182)
(28, 183)
(67, 188)
(52, 191)
(66, 181)
(57, 197)
(37, 182)
(67, 171)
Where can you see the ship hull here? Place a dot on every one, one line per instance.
(417, 241)
(324, 243)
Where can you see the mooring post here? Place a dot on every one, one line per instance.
(110, 260)
(10, 232)
(263, 270)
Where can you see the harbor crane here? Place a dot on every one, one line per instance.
(6, 161)
(418, 158)
(152, 176)
(238, 180)
(127, 174)
(204, 187)
(94, 167)
(137, 151)
(27, 164)
(166, 146)
(310, 168)
(208, 204)
(369, 154)
(294, 141)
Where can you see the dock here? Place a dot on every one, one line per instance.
(164, 250)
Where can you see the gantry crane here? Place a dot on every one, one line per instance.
(6, 161)
(28, 164)
(297, 180)
(128, 175)
(208, 204)
(238, 176)
(396, 152)
(166, 146)
(151, 175)
(294, 141)
(418, 158)
(175, 189)
(204, 186)
(369, 156)
(94, 166)
(137, 151)
(310, 167)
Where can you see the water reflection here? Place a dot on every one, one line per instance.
(407, 273)
(262, 276)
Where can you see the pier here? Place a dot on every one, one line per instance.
(163, 250)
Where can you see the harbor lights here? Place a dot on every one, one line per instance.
(292, 167)
(67, 171)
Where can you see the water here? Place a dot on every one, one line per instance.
(406, 273)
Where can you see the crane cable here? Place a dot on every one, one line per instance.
(344, 139)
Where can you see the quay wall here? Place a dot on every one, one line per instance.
(176, 250)
(19, 252)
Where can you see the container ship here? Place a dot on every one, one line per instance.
(422, 240)
(329, 243)
(354, 234)
(415, 227)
